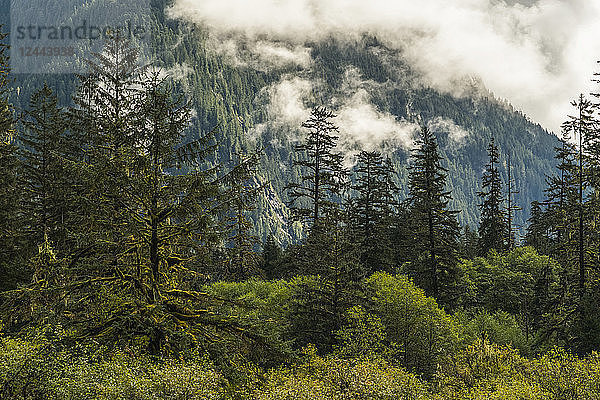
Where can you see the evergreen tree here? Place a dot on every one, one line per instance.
(511, 208)
(47, 163)
(320, 301)
(492, 229)
(435, 227)
(243, 189)
(10, 192)
(536, 235)
(373, 210)
(272, 255)
(583, 125)
(150, 218)
(323, 177)
(107, 123)
(468, 243)
(558, 221)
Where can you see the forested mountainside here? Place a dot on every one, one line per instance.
(237, 98)
(194, 216)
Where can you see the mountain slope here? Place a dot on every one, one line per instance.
(358, 77)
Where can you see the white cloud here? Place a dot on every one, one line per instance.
(455, 132)
(280, 55)
(361, 125)
(286, 106)
(539, 56)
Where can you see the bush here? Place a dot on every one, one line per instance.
(38, 370)
(499, 327)
(362, 335)
(486, 371)
(333, 378)
(261, 309)
(414, 324)
(125, 378)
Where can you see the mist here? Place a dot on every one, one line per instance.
(539, 55)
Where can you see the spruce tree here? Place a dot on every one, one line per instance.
(557, 223)
(468, 243)
(323, 178)
(243, 189)
(511, 207)
(271, 258)
(493, 229)
(583, 126)
(148, 223)
(10, 192)
(107, 125)
(536, 235)
(47, 166)
(373, 209)
(320, 301)
(435, 227)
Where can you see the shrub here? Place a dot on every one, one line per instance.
(499, 327)
(333, 378)
(414, 324)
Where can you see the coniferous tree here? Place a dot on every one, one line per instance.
(243, 189)
(10, 192)
(536, 235)
(558, 220)
(511, 207)
(166, 222)
(320, 301)
(107, 122)
(583, 125)
(492, 229)
(468, 243)
(151, 208)
(271, 258)
(47, 163)
(319, 191)
(435, 226)
(562, 228)
(373, 210)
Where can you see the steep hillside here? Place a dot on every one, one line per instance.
(256, 104)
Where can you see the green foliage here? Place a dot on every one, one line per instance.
(479, 371)
(520, 282)
(130, 230)
(332, 378)
(124, 377)
(417, 330)
(434, 226)
(493, 229)
(39, 369)
(362, 335)
(262, 307)
(485, 371)
(499, 328)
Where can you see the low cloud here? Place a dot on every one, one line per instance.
(539, 54)
(361, 125)
(456, 133)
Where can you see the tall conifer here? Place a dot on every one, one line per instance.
(493, 229)
(434, 225)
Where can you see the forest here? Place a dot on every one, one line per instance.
(130, 266)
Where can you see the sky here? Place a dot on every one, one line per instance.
(537, 54)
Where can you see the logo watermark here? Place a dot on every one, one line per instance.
(59, 40)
